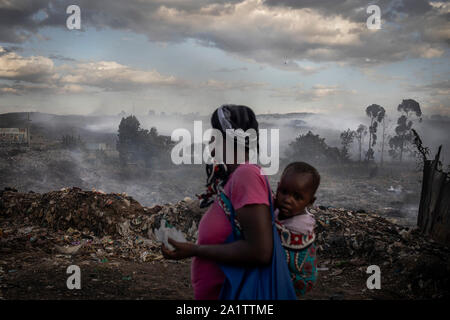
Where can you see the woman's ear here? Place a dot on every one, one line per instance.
(312, 201)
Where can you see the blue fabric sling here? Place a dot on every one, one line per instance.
(271, 282)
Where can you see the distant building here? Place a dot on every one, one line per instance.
(13, 136)
(107, 149)
(96, 146)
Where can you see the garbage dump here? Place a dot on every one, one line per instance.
(103, 227)
(165, 232)
(73, 221)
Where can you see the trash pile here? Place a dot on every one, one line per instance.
(73, 221)
(357, 238)
(88, 211)
(345, 233)
(105, 227)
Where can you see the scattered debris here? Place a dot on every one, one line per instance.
(166, 231)
(366, 239)
(74, 221)
(110, 228)
(397, 189)
(68, 250)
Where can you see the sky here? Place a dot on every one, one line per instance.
(194, 55)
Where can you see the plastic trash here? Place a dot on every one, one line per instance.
(322, 269)
(397, 190)
(165, 232)
(68, 250)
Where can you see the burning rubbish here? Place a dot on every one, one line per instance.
(73, 221)
(104, 228)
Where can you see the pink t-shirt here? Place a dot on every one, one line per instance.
(246, 186)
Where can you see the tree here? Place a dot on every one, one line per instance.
(311, 147)
(128, 142)
(360, 133)
(376, 114)
(347, 138)
(153, 145)
(384, 126)
(136, 143)
(400, 142)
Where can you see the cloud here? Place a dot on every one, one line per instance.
(355, 10)
(30, 69)
(317, 92)
(434, 96)
(110, 75)
(236, 85)
(39, 74)
(270, 32)
(378, 76)
(438, 88)
(27, 88)
(231, 69)
(18, 21)
(60, 57)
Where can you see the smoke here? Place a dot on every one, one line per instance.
(48, 167)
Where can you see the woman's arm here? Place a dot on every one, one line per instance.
(255, 249)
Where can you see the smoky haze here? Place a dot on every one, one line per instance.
(392, 189)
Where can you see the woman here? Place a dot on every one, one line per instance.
(248, 192)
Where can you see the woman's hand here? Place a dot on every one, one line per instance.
(182, 250)
(257, 247)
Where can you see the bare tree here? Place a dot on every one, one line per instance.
(398, 143)
(347, 138)
(385, 124)
(376, 114)
(360, 134)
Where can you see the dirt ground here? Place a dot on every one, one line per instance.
(44, 278)
(36, 275)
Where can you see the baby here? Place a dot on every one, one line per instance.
(295, 224)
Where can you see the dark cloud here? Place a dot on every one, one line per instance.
(61, 58)
(355, 10)
(17, 19)
(269, 32)
(347, 8)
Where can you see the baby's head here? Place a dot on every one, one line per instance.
(297, 188)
